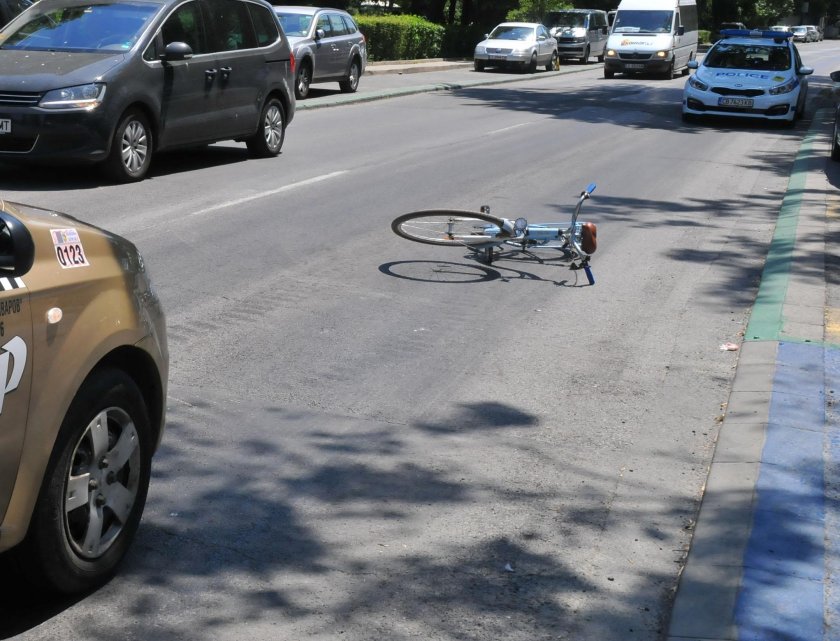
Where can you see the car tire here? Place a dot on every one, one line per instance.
(531, 67)
(552, 63)
(351, 83)
(131, 148)
(585, 57)
(303, 80)
(609, 75)
(94, 488)
(268, 140)
(835, 147)
(478, 65)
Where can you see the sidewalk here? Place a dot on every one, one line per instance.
(415, 66)
(763, 561)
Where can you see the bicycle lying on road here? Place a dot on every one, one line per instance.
(493, 237)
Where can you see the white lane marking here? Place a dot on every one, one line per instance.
(504, 129)
(265, 194)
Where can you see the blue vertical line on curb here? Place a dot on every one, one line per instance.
(782, 590)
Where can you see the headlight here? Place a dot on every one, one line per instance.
(610, 53)
(697, 84)
(661, 54)
(481, 50)
(787, 87)
(80, 97)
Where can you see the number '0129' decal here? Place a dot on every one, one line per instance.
(68, 248)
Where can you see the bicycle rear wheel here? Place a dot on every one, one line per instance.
(449, 227)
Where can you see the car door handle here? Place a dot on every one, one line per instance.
(226, 72)
(210, 74)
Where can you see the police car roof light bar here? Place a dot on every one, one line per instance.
(755, 33)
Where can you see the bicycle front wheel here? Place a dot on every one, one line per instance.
(449, 227)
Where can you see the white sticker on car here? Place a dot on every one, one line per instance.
(16, 349)
(68, 248)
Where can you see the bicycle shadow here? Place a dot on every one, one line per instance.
(452, 273)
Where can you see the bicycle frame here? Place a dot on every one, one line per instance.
(486, 234)
(523, 236)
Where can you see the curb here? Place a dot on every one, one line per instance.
(343, 99)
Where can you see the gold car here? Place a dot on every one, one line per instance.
(83, 376)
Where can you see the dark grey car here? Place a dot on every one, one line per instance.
(327, 44)
(115, 81)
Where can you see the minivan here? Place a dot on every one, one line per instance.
(652, 36)
(113, 83)
(580, 33)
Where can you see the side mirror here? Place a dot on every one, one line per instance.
(693, 64)
(17, 251)
(681, 30)
(835, 76)
(175, 51)
(541, 38)
(320, 33)
(805, 71)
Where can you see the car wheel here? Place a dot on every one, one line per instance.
(585, 58)
(601, 57)
(835, 145)
(478, 65)
(552, 63)
(94, 489)
(303, 81)
(268, 140)
(131, 148)
(668, 74)
(352, 82)
(531, 67)
(609, 75)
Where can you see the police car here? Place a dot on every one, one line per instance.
(83, 379)
(748, 74)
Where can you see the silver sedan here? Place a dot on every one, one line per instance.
(523, 45)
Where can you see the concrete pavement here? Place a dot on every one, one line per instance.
(763, 563)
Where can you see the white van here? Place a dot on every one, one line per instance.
(652, 36)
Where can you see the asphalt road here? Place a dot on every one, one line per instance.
(373, 439)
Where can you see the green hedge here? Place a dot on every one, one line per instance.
(704, 36)
(401, 37)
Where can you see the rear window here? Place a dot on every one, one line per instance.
(264, 24)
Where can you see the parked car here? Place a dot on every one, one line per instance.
(800, 33)
(835, 138)
(580, 33)
(756, 76)
(327, 45)
(83, 81)
(814, 34)
(523, 45)
(84, 365)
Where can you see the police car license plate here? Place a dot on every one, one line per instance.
(633, 65)
(735, 102)
(497, 57)
(5, 126)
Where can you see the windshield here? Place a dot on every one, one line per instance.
(756, 57)
(512, 33)
(799, 29)
(635, 21)
(565, 19)
(93, 27)
(295, 24)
